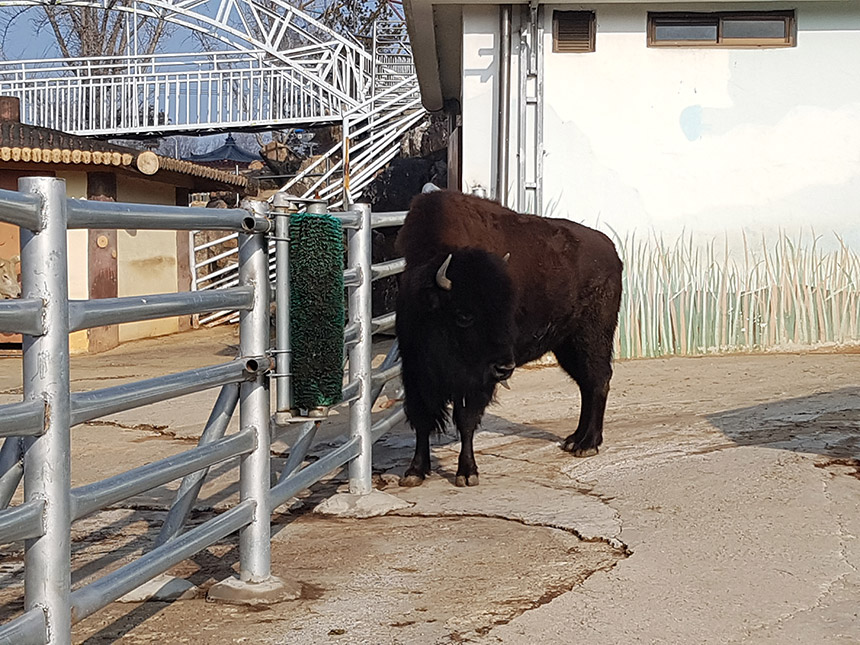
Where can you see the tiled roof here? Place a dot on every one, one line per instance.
(20, 135)
(34, 144)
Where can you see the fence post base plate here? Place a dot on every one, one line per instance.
(266, 592)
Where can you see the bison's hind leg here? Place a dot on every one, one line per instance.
(589, 363)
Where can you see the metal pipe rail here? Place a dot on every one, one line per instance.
(90, 214)
(84, 314)
(22, 522)
(96, 595)
(22, 315)
(86, 406)
(26, 418)
(38, 428)
(93, 497)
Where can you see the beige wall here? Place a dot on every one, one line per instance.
(78, 282)
(76, 186)
(76, 183)
(146, 262)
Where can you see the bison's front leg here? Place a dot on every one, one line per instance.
(467, 415)
(420, 466)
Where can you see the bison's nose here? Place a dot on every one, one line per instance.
(503, 371)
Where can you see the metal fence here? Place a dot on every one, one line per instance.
(37, 429)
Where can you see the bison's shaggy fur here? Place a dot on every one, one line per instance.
(515, 287)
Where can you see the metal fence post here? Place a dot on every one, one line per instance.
(47, 465)
(360, 314)
(283, 344)
(254, 472)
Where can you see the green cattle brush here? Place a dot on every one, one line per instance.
(317, 310)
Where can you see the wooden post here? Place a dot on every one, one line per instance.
(183, 258)
(102, 245)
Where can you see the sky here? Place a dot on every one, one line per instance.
(23, 42)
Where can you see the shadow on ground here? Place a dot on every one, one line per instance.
(826, 423)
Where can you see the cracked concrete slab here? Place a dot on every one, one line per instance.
(529, 502)
(724, 507)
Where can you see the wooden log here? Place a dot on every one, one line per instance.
(147, 163)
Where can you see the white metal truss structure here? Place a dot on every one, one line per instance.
(280, 67)
(371, 131)
(283, 69)
(370, 139)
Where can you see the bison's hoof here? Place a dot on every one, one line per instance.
(578, 451)
(466, 480)
(411, 480)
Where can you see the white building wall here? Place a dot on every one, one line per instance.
(480, 100)
(712, 142)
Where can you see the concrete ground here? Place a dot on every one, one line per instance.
(724, 507)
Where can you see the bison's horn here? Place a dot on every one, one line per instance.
(507, 257)
(441, 279)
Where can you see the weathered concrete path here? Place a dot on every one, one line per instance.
(723, 508)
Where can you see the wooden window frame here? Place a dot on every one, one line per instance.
(717, 19)
(592, 31)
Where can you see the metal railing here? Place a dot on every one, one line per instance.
(179, 92)
(37, 429)
(283, 68)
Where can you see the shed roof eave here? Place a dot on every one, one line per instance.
(422, 36)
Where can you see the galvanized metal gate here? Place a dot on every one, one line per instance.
(37, 430)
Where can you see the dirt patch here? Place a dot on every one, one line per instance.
(381, 580)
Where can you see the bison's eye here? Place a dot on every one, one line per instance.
(464, 319)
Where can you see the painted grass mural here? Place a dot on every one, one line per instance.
(685, 300)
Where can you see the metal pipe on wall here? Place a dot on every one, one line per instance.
(504, 101)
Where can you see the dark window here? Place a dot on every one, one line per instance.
(573, 31)
(722, 29)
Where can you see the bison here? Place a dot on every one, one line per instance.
(485, 290)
